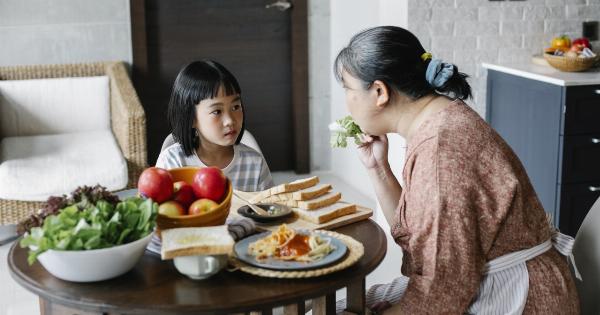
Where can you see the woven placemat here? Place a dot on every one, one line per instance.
(355, 251)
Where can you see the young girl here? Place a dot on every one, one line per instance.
(207, 123)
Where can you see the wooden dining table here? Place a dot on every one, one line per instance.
(154, 286)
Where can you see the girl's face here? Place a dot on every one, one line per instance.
(219, 120)
(362, 104)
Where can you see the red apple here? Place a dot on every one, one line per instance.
(171, 209)
(156, 183)
(183, 193)
(202, 206)
(209, 182)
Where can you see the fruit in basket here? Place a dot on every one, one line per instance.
(202, 206)
(209, 182)
(561, 42)
(582, 41)
(183, 193)
(171, 208)
(577, 48)
(571, 54)
(156, 183)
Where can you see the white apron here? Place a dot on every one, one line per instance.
(504, 287)
(505, 284)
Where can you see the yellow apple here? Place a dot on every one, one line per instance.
(202, 206)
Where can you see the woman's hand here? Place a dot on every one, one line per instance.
(373, 152)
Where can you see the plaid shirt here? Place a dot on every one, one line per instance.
(248, 170)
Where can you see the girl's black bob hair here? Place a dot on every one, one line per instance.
(195, 82)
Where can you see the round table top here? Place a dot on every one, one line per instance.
(154, 285)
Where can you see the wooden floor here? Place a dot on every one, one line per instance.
(15, 300)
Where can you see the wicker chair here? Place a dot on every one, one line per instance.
(128, 120)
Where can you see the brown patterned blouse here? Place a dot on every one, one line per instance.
(467, 200)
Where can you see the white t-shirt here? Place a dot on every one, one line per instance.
(248, 170)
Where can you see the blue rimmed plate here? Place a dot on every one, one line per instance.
(241, 252)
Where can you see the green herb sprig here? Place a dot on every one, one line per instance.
(342, 129)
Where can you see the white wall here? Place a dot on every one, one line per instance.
(469, 32)
(348, 17)
(319, 88)
(64, 31)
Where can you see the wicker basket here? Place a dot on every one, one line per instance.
(570, 64)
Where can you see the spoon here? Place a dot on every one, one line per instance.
(252, 206)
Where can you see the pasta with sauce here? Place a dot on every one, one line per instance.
(286, 244)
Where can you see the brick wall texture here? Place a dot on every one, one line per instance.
(469, 32)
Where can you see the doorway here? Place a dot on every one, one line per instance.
(263, 43)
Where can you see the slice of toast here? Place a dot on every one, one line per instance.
(286, 188)
(300, 195)
(326, 214)
(320, 202)
(212, 240)
(311, 192)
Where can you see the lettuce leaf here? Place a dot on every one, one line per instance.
(92, 225)
(342, 129)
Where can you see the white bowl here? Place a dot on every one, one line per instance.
(96, 264)
(200, 267)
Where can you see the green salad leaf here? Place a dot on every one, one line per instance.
(88, 225)
(342, 129)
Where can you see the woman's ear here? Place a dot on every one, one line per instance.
(383, 93)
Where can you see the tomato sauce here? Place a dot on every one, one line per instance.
(297, 246)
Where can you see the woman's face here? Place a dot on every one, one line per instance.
(219, 120)
(361, 103)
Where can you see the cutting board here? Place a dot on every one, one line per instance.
(362, 213)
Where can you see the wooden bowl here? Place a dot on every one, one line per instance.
(212, 218)
(570, 64)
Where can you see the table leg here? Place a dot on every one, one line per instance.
(355, 297)
(324, 305)
(294, 309)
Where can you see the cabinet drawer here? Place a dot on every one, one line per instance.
(582, 113)
(575, 202)
(581, 158)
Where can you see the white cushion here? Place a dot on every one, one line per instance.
(36, 167)
(52, 106)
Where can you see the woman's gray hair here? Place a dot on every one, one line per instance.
(393, 55)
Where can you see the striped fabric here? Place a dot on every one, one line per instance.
(380, 296)
(503, 289)
(248, 170)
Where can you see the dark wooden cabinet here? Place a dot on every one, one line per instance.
(555, 131)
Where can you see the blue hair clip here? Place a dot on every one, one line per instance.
(438, 72)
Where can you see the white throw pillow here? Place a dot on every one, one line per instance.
(52, 106)
(35, 167)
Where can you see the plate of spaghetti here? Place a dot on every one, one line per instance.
(289, 249)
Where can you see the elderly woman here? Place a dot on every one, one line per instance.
(474, 235)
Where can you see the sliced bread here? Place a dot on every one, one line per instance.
(286, 188)
(311, 192)
(212, 240)
(320, 202)
(326, 214)
(300, 195)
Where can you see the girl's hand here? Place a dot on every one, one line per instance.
(373, 153)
